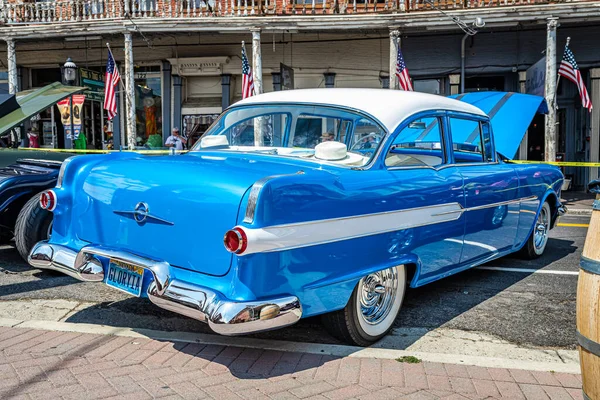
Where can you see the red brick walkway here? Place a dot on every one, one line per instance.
(36, 364)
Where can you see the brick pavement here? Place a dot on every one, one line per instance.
(38, 364)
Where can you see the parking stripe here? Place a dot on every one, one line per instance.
(573, 225)
(530, 271)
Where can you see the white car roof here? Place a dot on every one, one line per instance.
(390, 107)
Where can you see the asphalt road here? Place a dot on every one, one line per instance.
(531, 309)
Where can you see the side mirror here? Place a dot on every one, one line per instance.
(594, 186)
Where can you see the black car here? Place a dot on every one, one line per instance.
(23, 175)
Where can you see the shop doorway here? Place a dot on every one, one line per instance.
(194, 126)
(536, 139)
(484, 84)
(93, 124)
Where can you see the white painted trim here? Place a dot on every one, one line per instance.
(530, 271)
(200, 110)
(568, 365)
(304, 234)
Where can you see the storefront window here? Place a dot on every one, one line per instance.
(148, 101)
(432, 86)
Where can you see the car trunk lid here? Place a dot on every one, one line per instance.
(174, 208)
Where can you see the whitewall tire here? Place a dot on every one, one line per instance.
(372, 309)
(538, 240)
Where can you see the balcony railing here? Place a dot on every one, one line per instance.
(39, 12)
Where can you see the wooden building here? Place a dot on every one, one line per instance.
(185, 67)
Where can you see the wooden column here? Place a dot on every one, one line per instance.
(13, 80)
(595, 122)
(394, 43)
(551, 74)
(129, 92)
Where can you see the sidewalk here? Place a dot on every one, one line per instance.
(578, 203)
(39, 364)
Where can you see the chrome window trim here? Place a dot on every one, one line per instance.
(255, 192)
(469, 164)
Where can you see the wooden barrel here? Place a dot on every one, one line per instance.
(588, 304)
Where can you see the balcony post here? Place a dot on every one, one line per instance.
(394, 43)
(551, 75)
(259, 127)
(257, 61)
(130, 92)
(13, 80)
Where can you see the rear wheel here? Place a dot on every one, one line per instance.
(372, 308)
(34, 224)
(537, 241)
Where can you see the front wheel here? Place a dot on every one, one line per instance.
(34, 224)
(537, 241)
(372, 308)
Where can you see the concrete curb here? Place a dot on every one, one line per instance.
(567, 366)
(579, 211)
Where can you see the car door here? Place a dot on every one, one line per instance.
(491, 190)
(418, 160)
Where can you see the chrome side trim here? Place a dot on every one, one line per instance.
(502, 203)
(255, 192)
(317, 232)
(224, 316)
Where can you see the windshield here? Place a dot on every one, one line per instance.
(320, 133)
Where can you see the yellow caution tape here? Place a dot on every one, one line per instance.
(92, 151)
(559, 163)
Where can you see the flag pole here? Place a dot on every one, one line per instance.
(113, 57)
(554, 100)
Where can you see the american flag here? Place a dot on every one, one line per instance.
(112, 79)
(569, 69)
(247, 81)
(402, 73)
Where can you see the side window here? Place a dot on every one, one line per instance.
(272, 125)
(366, 136)
(466, 140)
(417, 144)
(314, 129)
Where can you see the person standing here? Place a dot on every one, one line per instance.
(33, 139)
(177, 141)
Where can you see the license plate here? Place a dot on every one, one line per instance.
(125, 277)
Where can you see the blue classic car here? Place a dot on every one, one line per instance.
(248, 232)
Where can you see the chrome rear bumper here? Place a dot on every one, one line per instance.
(224, 316)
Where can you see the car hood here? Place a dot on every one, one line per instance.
(510, 114)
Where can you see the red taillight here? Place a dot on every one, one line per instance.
(48, 200)
(235, 240)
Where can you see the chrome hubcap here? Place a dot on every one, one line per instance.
(377, 293)
(541, 229)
